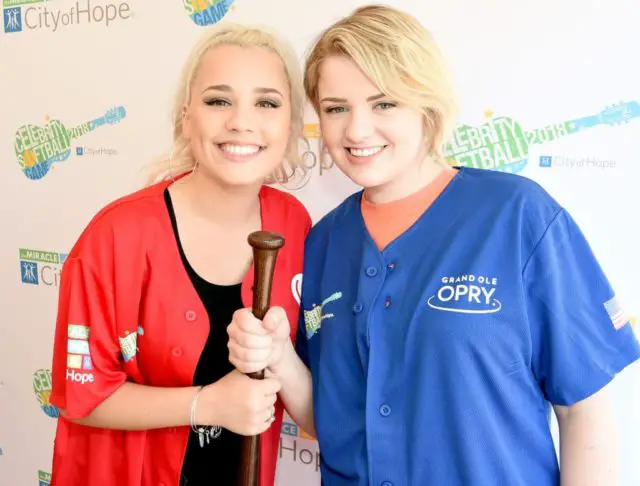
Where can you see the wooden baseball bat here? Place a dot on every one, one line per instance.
(265, 246)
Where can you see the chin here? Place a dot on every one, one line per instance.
(365, 177)
(245, 176)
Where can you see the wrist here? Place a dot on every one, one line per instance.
(206, 405)
(284, 364)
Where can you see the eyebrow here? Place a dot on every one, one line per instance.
(343, 100)
(227, 88)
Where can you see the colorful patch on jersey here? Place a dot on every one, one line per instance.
(77, 331)
(78, 347)
(129, 344)
(616, 313)
(296, 287)
(313, 318)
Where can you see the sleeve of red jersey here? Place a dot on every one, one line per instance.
(86, 357)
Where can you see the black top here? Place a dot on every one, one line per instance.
(218, 461)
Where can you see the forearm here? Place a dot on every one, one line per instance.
(589, 448)
(296, 392)
(140, 407)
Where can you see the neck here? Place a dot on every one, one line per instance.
(420, 175)
(219, 203)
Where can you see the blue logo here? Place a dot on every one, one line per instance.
(207, 12)
(545, 161)
(79, 151)
(41, 267)
(29, 272)
(12, 20)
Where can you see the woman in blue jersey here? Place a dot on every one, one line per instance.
(445, 310)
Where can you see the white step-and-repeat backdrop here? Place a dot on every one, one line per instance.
(92, 81)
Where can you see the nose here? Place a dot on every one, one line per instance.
(241, 118)
(360, 126)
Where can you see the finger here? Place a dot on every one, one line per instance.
(270, 399)
(270, 386)
(270, 415)
(244, 368)
(251, 341)
(248, 355)
(245, 321)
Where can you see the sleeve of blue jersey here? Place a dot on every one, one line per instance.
(581, 337)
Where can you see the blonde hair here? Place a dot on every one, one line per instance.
(180, 159)
(400, 56)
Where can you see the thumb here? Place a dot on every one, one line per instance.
(274, 318)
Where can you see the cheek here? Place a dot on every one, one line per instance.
(408, 137)
(332, 131)
(278, 128)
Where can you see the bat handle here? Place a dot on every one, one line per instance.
(266, 246)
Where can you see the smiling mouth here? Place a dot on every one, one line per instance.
(238, 149)
(365, 152)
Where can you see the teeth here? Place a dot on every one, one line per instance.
(239, 149)
(365, 152)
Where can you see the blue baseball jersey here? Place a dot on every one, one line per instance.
(436, 361)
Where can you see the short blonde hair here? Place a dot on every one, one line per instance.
(400, 56)
(180, 159)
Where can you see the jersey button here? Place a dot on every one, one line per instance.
(386, 483)
(190, 315)
(391, 266)
(357, 307)
(372, 271)
(385, 410)
(387, 302)
(177, 352)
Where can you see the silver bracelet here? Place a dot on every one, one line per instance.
(204, 432)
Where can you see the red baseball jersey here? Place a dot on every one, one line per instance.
(129, 312)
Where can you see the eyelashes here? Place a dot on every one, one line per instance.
(262, 103)
(382, 106)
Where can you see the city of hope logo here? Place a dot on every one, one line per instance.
(39, 267)
(33, 15)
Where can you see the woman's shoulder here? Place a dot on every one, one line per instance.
(123, 221)
(286, 205)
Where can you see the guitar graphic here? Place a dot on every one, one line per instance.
(207, 12)
(38, 148)
(42, 389)
(502, 144)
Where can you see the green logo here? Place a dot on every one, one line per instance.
(207, 12)
(42, 388)
(503, 144)
(44, 478)
(38, 148)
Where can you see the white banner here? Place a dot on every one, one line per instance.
(89, 83)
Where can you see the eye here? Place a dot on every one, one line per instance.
(385, 105)
(217, 102)
(334, 109)
(269, 103)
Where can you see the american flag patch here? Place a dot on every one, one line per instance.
(616, 313)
